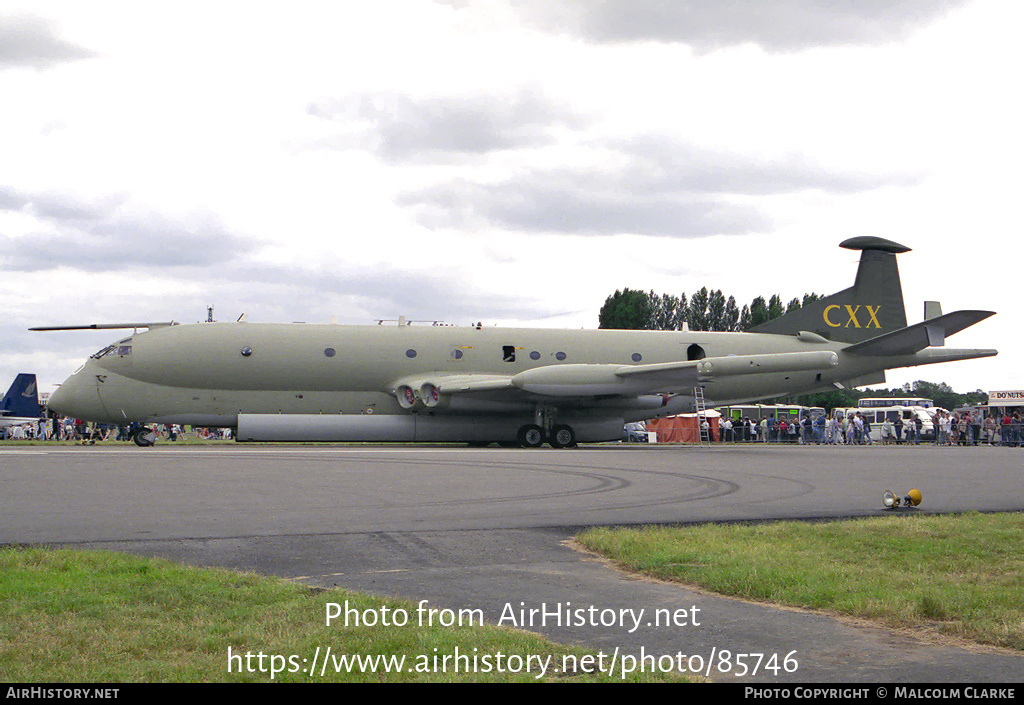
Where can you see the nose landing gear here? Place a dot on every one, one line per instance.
(143, 436)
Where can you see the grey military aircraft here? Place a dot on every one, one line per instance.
(307, 382)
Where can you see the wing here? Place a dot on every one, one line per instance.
(591, 381)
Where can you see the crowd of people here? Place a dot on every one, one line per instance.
(945, 428)
(969, 427)
(69, 429)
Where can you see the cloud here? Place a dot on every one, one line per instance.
(31, 41)
(57, 207)
(663, 163)
(111, 234)
(778, 26)
(439, 129)
(649, 185)
(559, 203)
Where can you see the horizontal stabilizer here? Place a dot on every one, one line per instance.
(930, 333)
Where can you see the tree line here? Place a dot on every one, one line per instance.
(632, 309)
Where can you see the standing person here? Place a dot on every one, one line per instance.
(898, 428)
(918, 428)
(961, 430)
(990, 429)
(886, 432)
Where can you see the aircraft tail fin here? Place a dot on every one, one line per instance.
(22, 399)
(873, 306)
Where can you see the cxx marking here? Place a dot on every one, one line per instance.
(851, 312)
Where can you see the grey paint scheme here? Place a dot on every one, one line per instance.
(409, 383)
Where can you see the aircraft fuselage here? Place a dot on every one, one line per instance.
(208, 374)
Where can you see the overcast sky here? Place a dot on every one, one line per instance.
(506, 161)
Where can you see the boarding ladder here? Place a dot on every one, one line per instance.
(701, 408)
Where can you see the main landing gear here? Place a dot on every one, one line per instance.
(534, 435)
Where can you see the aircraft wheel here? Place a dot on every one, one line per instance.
(144, 437)
(563, 436)
(531, 436)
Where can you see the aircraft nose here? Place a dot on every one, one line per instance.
(78, 397)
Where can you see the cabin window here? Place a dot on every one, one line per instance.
(534, 355)
(637, 357)
(329, 352)
(456, 354)
(560, 355)
(508, 353)
(410, 353)
(246, 351)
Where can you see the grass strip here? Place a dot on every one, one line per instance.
(91, 616)
(959, 575)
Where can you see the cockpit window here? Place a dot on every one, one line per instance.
(121, 347)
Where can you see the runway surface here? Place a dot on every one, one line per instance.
(488, 529)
